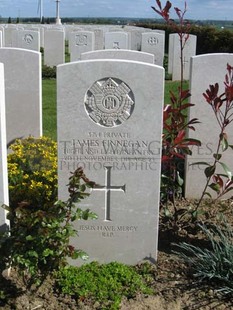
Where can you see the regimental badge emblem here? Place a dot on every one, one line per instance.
(153, 41)
(109, 102)
(81, 40)
(28, 38)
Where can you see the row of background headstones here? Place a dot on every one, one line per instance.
(85, 40)
(81, 40)
(23, 103)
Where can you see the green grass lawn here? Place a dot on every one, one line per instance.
(49, 108)
(49, 105)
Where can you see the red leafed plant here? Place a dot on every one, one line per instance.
(222, 106)
(175, 121)
(175, 144)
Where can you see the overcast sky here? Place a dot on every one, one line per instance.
(197, 9)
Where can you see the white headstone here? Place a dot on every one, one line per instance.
(8, 34)
(111, 124)
(136, 39)
(4, 195)
(116, 40)
(54, 47)
(42, 36)
(99, 39)
(28, 39)
(1, 40)
(23, 92)
(119, 54)
(68, 34)
(188, 51)
(81, 42)
(3, 35)
(171, 52)
(153, 42)
(206, 70)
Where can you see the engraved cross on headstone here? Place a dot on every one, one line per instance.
(107, 188)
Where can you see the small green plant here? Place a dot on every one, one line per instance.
(214, 265)
(2, 296)
(38, 242)
(32, 172)
(105, 284)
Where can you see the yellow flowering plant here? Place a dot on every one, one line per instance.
(40, 226)
(32, 172)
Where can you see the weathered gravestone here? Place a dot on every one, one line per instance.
(116, 40)
(119, 54)
(4, 199)
(136, 37)
(110, 124)
(153, 43)
(99, 37)
(206, 70)
(9, 29)
(54, 47)
(81, 42)
(23, 92)
(28, 39)
(68, 35)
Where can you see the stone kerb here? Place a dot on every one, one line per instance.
(119, 54)
(111, 124)
(205, 70)
(23, 92)
(4, 196)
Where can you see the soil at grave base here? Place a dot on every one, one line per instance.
(174, 287)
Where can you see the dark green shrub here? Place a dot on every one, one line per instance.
(48, 72)
(106, 284)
